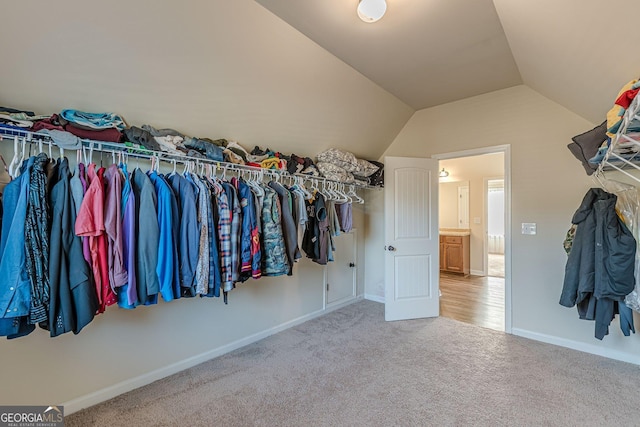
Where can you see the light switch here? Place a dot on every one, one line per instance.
(476, 220)
(529, 228)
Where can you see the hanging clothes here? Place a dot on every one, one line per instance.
(288, 225)
(275, 261)
(256, 243)
(189, 234)
(236, 222)
(166, 245)
(15, 288)
(175, 233)
(73, 301)
(147, 239)
(85, 186)
(224, 238)
(600, 267)
(202, 268)
(113, 227)
(90, 223)
(250, 243)
(128, 293)
(37, 241)
(316, 242)
(215, 279)
(344, 212)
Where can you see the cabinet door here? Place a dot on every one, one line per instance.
(454, 257)
(341, 273)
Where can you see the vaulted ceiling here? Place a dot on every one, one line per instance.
(578, 53)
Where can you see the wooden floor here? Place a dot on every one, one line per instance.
(478, 300)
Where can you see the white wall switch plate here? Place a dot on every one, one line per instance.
(529, 228)
(476, 220)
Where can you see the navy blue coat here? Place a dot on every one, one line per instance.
(600, 268)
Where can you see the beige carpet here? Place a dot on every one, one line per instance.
(351, 368)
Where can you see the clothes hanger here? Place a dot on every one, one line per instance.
(342, 197)
(14, 160)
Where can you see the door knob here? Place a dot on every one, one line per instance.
(392, 249)
(351, 265)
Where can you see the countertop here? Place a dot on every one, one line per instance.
(455, 232)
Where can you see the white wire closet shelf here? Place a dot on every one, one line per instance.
(136, 151)
(623, 153)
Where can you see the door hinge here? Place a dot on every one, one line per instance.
(327, 287)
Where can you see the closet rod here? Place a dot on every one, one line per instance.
(109, 147)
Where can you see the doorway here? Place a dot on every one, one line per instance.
(483, 296)
(494, 193)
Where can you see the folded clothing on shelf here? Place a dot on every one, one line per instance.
(108, 135)
(212, 150)
(140, 136)
(348, 161)
(93, 121)
(335, 172)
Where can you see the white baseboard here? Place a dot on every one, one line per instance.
(110, 392)
(580, 346)
(341, 303)
(477, 273)
(376, 298)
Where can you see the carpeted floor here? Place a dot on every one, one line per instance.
(351, 368)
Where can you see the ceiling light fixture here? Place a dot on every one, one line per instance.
(371, 10)
(443, 173)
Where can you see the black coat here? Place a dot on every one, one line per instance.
(600, 269)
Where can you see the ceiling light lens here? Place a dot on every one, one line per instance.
(443, 173)
(371, 10)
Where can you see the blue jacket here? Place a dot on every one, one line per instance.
(189, 233)
(15, 287)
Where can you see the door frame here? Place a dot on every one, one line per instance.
(506, 150)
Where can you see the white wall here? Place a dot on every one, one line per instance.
(448, 204)
(547, 186)
(219, 69)
(209, 68)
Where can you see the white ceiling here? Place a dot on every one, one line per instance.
(425, 52)
(578, 53)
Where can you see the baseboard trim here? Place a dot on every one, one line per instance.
(110, 392)
(341, 303)
(579, 346)
(476, 273)
(376, 298)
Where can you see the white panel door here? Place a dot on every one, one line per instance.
(341, 273)
(411, 238)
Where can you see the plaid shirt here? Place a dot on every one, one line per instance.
(224, 238)
(236, 222)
